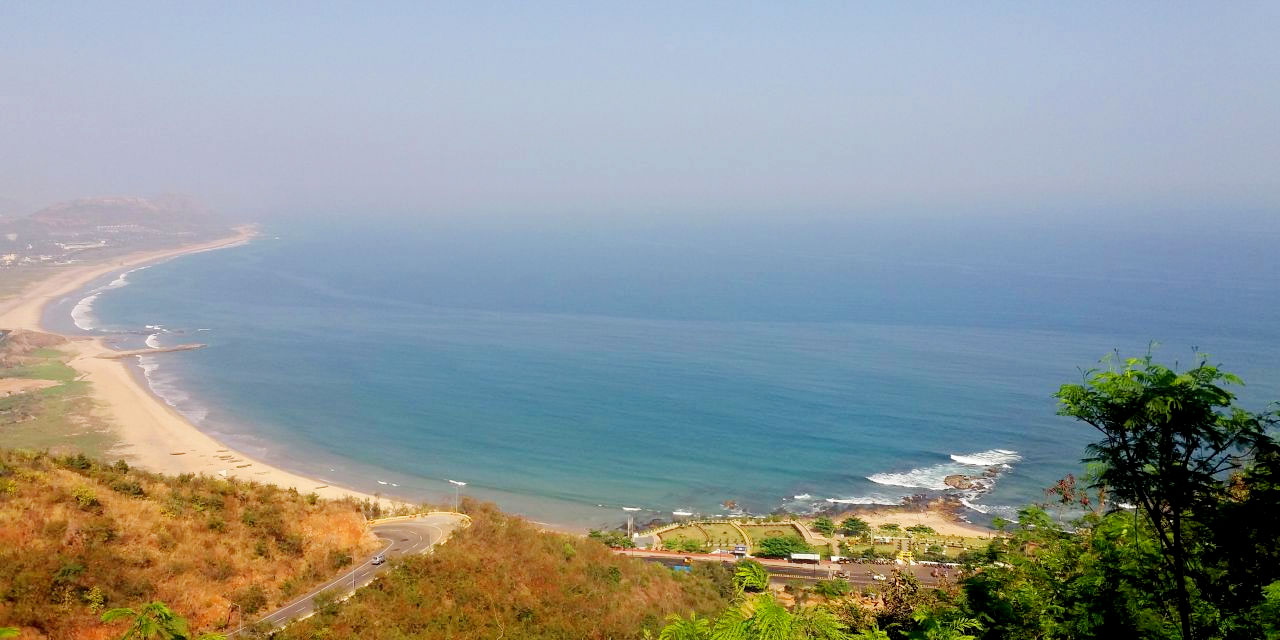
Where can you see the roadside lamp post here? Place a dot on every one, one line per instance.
(457, 491)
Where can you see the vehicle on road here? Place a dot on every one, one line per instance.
(378, 559)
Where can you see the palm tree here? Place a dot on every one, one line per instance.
(678, 628)
(155, 620)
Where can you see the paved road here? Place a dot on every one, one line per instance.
(400, 538)
(781, 571)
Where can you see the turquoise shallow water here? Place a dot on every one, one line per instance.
(569, 374)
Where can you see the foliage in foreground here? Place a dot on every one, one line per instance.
(501, 577)
(78, 537)
(1197, 556)
(155, 620)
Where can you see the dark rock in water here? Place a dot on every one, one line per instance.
(991, 472)
(958, 481)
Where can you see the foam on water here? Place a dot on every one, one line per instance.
(153, 341)
(82, 312)
(166, 387)
(872, 499)
(982, 468)
(991, 458)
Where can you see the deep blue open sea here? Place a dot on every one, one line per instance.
(672, 366)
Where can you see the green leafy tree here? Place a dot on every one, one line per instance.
(749, 575)
(825, 526)
(1167, 440)
(1268, 611)
(781, 546)
(855, 526)
(933, 628)
(154, 620)
(693, 628)
(764, 618)
(872, 633)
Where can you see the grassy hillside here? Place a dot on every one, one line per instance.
(79, 536)
(503, 578)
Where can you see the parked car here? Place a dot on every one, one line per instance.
(378, 559)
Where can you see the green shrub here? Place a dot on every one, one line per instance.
(832, 588)
(781, 547)
(86, 498)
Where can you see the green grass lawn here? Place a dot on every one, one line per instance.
(57, 418)
(761, 531)
(51, 369)
(720, 533)
(687, 532)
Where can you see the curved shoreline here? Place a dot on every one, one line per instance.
(152, 433)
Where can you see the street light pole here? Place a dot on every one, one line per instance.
(457, 492)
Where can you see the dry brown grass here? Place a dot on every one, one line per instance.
(77, 536)
(503, 578)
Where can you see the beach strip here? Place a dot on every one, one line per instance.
(153, 435)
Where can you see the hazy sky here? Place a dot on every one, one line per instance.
(665, 108)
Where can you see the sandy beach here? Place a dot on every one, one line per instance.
(153, 435)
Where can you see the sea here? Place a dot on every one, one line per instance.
(578, 371)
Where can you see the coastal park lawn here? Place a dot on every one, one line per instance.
(58, 417)
(761, 531)
(722, 534)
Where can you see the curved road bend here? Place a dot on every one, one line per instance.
(400, 538)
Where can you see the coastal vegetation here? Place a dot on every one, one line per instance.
(79, 537)
(42, 403)
(503, 578)
(1173, 533)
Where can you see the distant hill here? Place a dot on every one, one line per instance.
(160, 213)
(97, 228)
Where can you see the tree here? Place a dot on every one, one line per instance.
(855, 526)
(764, 618)
(750, 575)
(825, 525)
(678, 628)
(1167, 438)
(781, 546)
(933, 628)
(154, 620)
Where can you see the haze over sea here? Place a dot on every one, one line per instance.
(567, 373)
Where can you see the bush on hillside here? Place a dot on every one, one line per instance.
(79, 536)
(502, 577)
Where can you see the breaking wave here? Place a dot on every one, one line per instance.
(966, 464)
(82, 312)
(165, 386)
(990, 458)
(881, 500)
